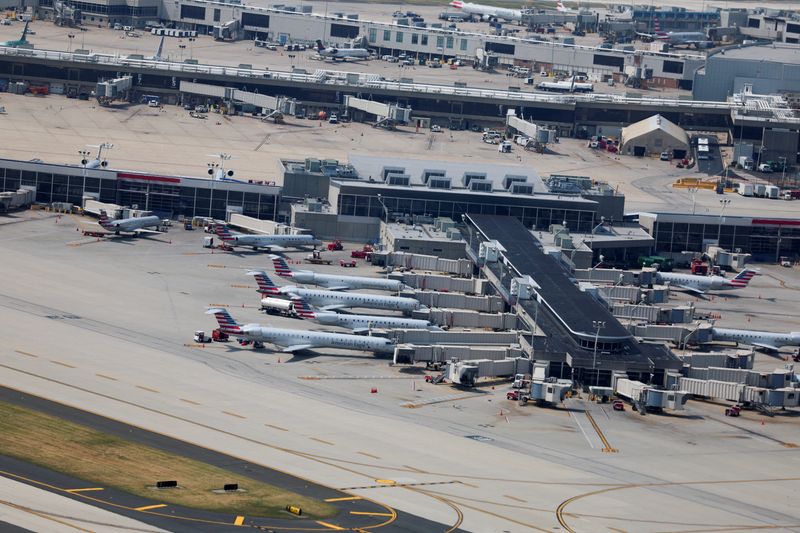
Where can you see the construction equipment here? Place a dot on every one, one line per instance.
(315, 258)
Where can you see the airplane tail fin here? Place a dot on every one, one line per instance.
(281, 267)
(560, 6)
(223, 233)
(303, 309)
(320, 46)
(159, 50)
(226, 322)
(25, 32)
(458, 4)
(104, 220)
(265, 285)
(743, 278)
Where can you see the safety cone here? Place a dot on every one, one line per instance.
(762, 421)
(279, 359)
(501, 412)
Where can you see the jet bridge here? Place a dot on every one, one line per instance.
(388, 115)
(274, 106)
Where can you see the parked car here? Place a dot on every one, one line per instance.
(436, 128)
(665, 156)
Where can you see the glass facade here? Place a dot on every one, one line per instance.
(437, 204)
(165, 199)
(762, 241)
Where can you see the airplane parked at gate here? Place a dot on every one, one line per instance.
(357, 323)
(701, 284)
(272, 243)
(333, 282)
(697, 39)
(332, 300)
(132, 225)
(488, 13)
(331, 52)
(760, 339)
(292, 340)
(562, 9)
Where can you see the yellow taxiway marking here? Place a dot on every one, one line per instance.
(148, 507)
(189, 401)
(44, 515)
(148, 389)
(386, 481)
(331, 526)
(345, 499)
(606, 446)
(276, 427)
(62, 364)
(239, 521)
(105, 377)
(25, 353)
(369, 455)
(240, 286)
(89, 489)
(364, 513)
(514, 498)
(322, 441)
(234, 414)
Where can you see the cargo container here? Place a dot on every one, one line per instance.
(745, 189)
(759, 190)
(773, 192)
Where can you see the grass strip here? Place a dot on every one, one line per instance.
(109, 461)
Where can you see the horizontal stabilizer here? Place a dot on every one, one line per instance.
(333, 307)
(766, 346)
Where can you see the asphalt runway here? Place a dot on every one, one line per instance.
(355, 512)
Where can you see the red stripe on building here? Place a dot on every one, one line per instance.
(146, 177)
(775, 222)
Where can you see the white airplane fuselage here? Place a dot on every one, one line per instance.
(700, 283)
(364, 322)
(320, 298)
(489, 12)
(267, 241)
(132, 224)
(764, 339)
(316, 339)
(307, 277)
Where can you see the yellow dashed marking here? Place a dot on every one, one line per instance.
(148, 389)
(239, 521)
(106, 377)
(189, 401)
(346, 499)
(148, 507)
(25, 353)
(322, 441)
(62, 364)
(276, 427)
(331, 526)
(90, 489)
(234, 414)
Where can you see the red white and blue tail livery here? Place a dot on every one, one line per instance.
(281, 266)
(265, 284)
(226, 322)
(303, 309)
(742, 279)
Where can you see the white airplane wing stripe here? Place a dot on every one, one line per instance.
(297, 347)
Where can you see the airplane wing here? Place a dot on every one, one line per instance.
(333, 307)
(338, 288)
(694, 290)
(297, 347)
(360, 330)
(147, 231)
(765, 346)
(275, 248)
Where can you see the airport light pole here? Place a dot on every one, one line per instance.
(84, 161)
(724, 203)
(212, 171)
(693, 192)
(70, 36)
(182, 47)
(598, 325)
(783, 170)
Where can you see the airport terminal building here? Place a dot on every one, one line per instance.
(167, 196)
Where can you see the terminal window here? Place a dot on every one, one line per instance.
(217, 15)
(793, 28)
(387, 35)
(399, 37)
(463, 44)
(344, 30)
(500, 48)
(373, 35)
(449, 42)
(424, 40)
(193, 12)
(609, 61)
(440, 42)
(414, 38)
(253, 19)
(673, 67)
